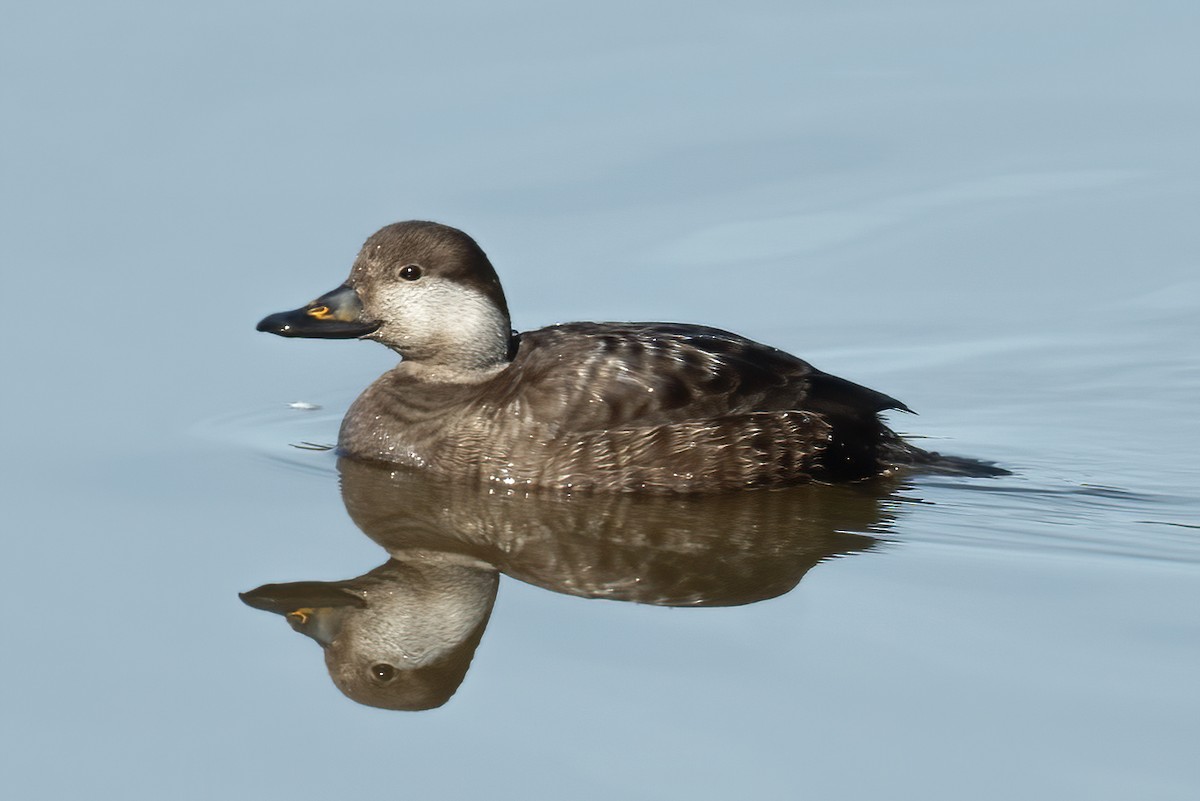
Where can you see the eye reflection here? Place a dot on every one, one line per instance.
(383, 671)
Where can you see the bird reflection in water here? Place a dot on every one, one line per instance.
(403, 635)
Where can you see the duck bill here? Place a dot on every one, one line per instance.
(316, 609)
(334, 315)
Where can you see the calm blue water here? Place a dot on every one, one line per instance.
(988, 213)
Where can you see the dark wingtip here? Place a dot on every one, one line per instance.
(932, 462)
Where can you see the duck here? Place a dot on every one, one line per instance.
(609, 407)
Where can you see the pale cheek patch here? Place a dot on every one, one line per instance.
(434, 316)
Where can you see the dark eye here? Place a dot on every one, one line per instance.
(410, 272)
(383, 672)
